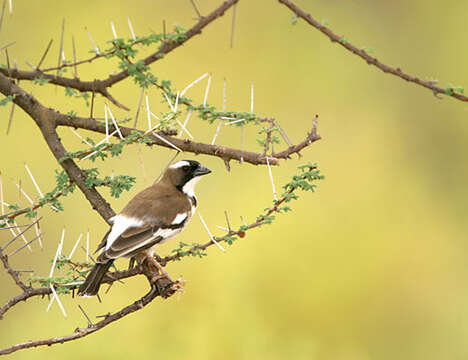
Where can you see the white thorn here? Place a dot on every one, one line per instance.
(131, 28)
(169, 102)
(10, 5)
(167, 142)
(58, 301)
(75, 246)
(186, 122)
(34, 181)
(217, 132)
(152, 129)
(222, 228)
(271, 179)
(234, 122)
(148, 113)
(184, 129)
(96, 49)
(113, 30)
(114, 122)
(209, 233)
(106, 139)
(207, 91)
(57, 253)
(193, 83)
(156, 117)
(80, 137)
(24, 194)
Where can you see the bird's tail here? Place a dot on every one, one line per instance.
(92, 283)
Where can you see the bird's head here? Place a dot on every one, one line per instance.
(185, 174)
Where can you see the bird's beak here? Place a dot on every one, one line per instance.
(201, 170)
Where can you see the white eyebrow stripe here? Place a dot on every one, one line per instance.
(120, 224)
(179, 218)
(180, 164)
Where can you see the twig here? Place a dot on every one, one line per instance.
(365, 56)
(90, 323)
(196, 9)
(233, 24)
(27, 244)
(139, 107)
(21, 233)
(38, 66)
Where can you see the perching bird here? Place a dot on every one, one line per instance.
(152, 217)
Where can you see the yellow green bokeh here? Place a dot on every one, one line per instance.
(371, 266)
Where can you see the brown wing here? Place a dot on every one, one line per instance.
(156, 215)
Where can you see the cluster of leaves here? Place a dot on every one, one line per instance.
(117, 184)
(40, 80)
(451, 89)
(266, 132)
(63, 187)
(64, 282)
(126, 50)
(185, 249)
(6, 100)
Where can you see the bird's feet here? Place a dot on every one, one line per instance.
(161, 273)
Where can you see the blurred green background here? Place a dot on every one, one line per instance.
(371, 266)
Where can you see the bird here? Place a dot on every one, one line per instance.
(152, 217)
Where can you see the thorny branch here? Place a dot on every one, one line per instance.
(369, 59)
(300, 182)
(101, 86)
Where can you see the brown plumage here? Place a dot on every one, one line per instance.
(152, 217)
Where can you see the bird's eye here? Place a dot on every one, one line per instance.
(186, 168)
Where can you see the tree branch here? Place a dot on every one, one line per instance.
(100, 86)
(366, 57)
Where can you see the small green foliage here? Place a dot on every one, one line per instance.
(40, 80)
(294, 20)
(325, 22)
(63, 187)
(117, 184)
(343, 40)
(5, 101)
(185, 249)
(368, 50)
(451, 89)
(72, 113)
